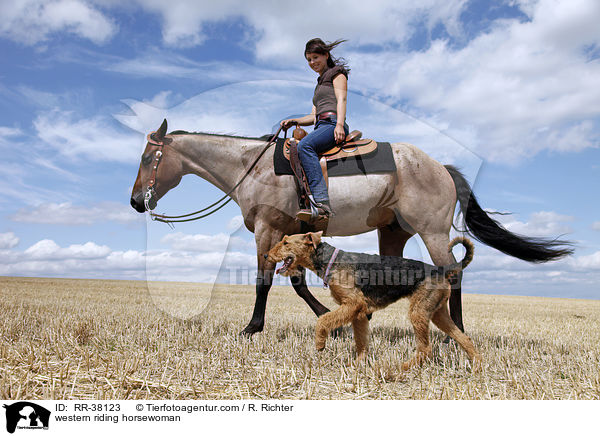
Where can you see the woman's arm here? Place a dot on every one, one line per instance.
(306, 120)
(340, 88)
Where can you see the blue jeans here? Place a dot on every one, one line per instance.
(318, 141)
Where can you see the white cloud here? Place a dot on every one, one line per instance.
(47, 249)
(68, 214)
(17, 177)
(8, 134)
(190, 263)
(540, 224)
(250, 108)
(596, 226)
(8, 240)
(235, 223)
(209, 251)
(364, 243)
(522, 86)
(184, 242)
(10, 131)
(158, 63)
(589, 262)
(247, 108)
(274, 33)
(94, 139)
(189, 258)
(33, 21)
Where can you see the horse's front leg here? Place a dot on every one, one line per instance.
(264, 280)
(299, 284)
(265, 237)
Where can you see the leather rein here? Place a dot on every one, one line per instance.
(169, 219)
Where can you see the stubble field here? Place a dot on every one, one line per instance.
(91, 339)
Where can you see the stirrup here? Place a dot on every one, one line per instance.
(306, 216)
(317, 211)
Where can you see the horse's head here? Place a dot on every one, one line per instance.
(160, 171)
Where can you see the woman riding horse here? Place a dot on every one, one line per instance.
(328, 114)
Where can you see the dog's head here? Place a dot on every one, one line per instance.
(295, 251)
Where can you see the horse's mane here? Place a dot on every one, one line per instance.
(261, 138)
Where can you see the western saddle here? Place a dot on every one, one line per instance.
(353, 145)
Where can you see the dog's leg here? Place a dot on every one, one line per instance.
(360, 326)
(334, 319)
(442, 319)
(420, 323)
(426, 299)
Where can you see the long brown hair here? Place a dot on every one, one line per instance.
(317, 45)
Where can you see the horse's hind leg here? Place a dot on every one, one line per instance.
(392, 240)
(456, 301)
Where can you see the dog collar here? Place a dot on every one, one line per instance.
(326, 276)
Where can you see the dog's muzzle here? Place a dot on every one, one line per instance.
(287, 262)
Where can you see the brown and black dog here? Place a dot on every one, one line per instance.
(363, 283)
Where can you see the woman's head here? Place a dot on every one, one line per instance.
(317, 46)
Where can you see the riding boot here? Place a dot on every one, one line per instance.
(325, 208)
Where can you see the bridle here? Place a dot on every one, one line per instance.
(150, 192)
(169, 219)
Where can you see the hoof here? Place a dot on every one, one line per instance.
(250, 330)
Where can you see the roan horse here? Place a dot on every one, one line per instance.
(420, 198)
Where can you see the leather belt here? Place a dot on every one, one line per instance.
(326, 115)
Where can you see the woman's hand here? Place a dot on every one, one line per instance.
(339, 133)
(286, 124)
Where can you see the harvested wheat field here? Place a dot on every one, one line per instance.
(91, 339)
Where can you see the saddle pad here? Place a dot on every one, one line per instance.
(381, 160)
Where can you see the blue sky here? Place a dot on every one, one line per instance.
(507, 90)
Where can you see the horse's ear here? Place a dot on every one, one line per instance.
(162, 131)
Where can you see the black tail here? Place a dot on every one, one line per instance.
(487, 230)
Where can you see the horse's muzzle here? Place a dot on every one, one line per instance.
(137, 202)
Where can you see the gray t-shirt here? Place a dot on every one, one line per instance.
(324, 96)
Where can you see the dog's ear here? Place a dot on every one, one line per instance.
(314, 238)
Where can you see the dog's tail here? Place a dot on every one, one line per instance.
(455, 268)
